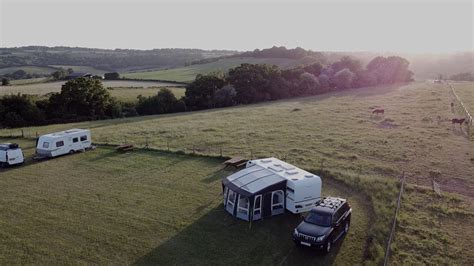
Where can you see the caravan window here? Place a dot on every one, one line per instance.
(59, 144)
(74, 140)
(243, 206)
(277, 200)
(231, 199)
(226, 191)
(257, 206)
(45, 145)
(83, 138)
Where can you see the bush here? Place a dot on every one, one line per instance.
(162, 103)
(112, 76)
(343, 79)
(5, 82)
(225, 96)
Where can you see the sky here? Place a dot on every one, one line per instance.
(379, 26)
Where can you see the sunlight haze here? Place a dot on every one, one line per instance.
(406, 26)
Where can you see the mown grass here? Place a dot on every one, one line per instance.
(187, 74)
(338, 133)
(147, 207)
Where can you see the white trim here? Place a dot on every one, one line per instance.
(242, 208)
(235, 196)
(226, 193)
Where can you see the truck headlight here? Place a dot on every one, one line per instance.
(295, 232)
(319, 238)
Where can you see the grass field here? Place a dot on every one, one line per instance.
(122, 89)
(128, 94)
(187, 74)
(337, 132)
(465, 91)
(83, 69)
(28, 81)
(28, 70)
(146, 207)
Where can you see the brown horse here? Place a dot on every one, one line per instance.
(458, 121)
(378, 111)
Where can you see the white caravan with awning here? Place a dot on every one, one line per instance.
(267, 187)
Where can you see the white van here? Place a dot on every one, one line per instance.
(10, 154)
(64, 142)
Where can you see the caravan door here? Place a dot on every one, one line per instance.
(267, 205)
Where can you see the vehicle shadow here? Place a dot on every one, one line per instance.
(217, 238)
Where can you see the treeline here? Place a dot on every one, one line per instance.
(105, 59)
(87, 99)
(281, 52)
(257, 83)
(466, 76)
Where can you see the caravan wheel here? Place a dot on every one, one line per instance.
(71, 152)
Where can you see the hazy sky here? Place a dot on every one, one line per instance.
(401, 26)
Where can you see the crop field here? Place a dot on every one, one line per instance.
(337, 133)
(187, 74)
(122, 89)
(146, 207)
(465, 91)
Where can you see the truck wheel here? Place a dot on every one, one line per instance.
(346, 227)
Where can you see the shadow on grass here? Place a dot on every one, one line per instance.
(219, 238)
(217, 175)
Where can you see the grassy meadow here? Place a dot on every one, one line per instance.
(122, 89)
(146, 207)
(337, 132)
(465, 91)
(188, 73)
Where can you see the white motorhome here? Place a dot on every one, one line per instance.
(267, 187)
(64, 142)
(10, 154)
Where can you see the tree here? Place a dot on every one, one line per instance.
(164, 102)
(19, 110)
(200, 93)
(225, 96)
(390, 70)
(308, 85)
(343, 79)
(324, 82)
(111, 76)
(59, 74)
(5, 82)
(351, 64)
(255, 83)
(81, 98)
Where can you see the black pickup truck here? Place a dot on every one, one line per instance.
(324, 224)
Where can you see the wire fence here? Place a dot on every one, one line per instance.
(463, 110)
(394, 224)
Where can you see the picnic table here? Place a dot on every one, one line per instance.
(236, 162)
(125, 147)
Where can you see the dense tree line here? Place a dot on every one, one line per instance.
(466, 76)
(87, 99)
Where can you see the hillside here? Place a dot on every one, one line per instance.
(106, 59)
(337, 132)
(188, 73)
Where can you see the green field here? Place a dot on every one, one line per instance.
(122, 89)
(83, 69)
(338, 133)
(28, 69)
(187, 74)
(146, 207)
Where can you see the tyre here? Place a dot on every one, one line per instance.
(71, 152)
(346, 227)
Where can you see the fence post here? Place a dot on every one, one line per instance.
(221, 150)
(146, 143)
(168, 144)
(251, 154)
(193, 148)
(22, 134)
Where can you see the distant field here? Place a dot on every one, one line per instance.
(104, 207)
(84, 69)
(131, 93)
(125, 89)
(28, 70)
(465, 91)
(27, 81)
(187, 74)
(337, 132)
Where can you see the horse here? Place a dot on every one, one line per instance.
(378, 111)
(458, 121)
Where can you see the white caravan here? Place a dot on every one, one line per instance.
(10, 154)
(64, 142)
